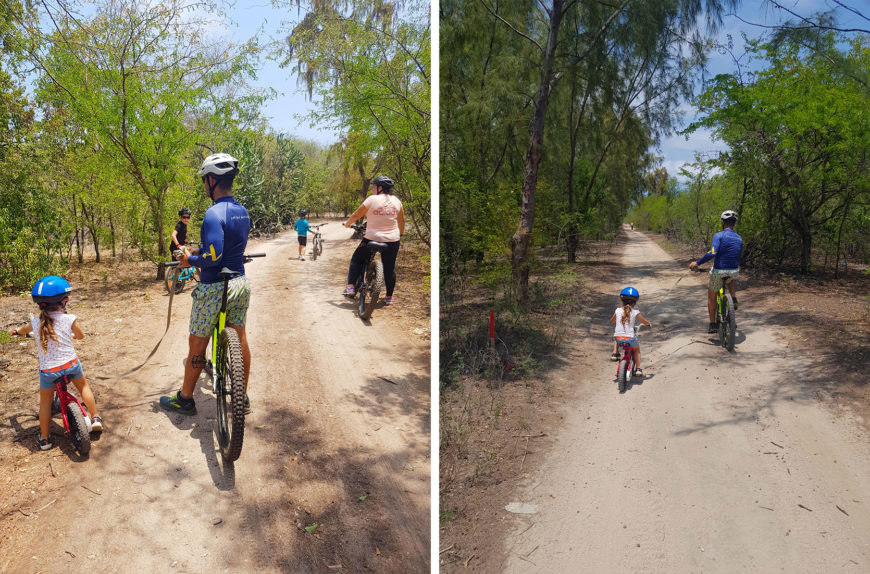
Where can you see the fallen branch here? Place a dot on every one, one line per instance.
(530, 435)
(51, 466)
(89, 490)
(446, 549)
(525, 452)
(46, 506)
(388, 380)
(70, 553)
(774, 444)
(841, 510)
(805, 508)
(766, 508)
(470, 558)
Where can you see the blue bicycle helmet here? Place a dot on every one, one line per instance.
(629, 293)
(50, 290)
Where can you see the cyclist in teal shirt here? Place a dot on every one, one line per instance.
(302, 228)
(725, 253)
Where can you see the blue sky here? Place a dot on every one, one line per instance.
(677, 150)
(285, 112)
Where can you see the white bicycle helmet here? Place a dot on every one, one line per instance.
(728, 214)
(218, 164)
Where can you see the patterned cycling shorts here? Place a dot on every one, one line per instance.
(718, 276)
(207, 305)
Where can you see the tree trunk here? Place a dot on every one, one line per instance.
(522, 238)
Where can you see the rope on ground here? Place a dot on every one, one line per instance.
(157, 346)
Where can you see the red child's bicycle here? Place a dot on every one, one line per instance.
(74, 413)
(626, 367)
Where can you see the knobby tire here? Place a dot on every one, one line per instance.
(375, 280)
(622, 375)
(78, 429)
(169, 278)
(730, 322)
(231, 395)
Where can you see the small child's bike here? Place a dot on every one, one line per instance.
(317, 246)
(626, 368)
(73, 412)
(370, 282)
(178, 277)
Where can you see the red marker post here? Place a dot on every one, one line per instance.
(492, 329)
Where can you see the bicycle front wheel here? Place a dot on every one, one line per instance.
(622, 375)
(230, 393)
(169, 278)
(375, 281)
(730, 323)
(78, 429)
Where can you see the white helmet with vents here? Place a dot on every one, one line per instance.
(219, 164)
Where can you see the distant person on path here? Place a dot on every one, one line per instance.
(54, 330)
(178, 239)
(224, 236)
(302, 228)
(725, 252)
(386, 224)
(625, 318)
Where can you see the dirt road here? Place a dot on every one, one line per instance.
(714, 462)
(338, 438)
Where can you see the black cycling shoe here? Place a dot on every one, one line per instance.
(178, 403)
(713, 328)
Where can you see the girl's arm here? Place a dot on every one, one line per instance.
(401, 220)
(77, 331)
(613, 319)
(643, 321)
(356, 215)
(23, 331)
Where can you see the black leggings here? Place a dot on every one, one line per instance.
(361, 256)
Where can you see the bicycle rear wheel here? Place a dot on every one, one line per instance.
(78, 429)
(317, 249)
(730, 323)
(230, 393)
(375, 280)
(622, 375)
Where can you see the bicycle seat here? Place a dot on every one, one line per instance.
(376, 246)
(227, 272)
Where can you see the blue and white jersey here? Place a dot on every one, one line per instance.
(224, 236)
(726, 249)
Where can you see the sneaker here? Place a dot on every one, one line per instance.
(638, 372)
(349, 291)
(389, 300)
(614, 357)
(177, 403)
(302, 258)
(712, 328)
(44, 443)
(97, 424)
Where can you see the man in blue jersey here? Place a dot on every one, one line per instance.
(223, 236)
(727, 246)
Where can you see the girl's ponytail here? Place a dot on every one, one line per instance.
(46, 329)
(626, 314)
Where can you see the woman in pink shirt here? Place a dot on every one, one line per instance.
(386, 223)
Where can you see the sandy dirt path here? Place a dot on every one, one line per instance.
(714, 462)
(338, 437)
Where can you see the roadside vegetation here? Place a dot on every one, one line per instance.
(109, 108)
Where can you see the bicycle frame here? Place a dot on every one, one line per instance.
(66, 398)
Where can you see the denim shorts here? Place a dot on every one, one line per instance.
(632, 342)
(48, 380)
(207, 305)
(718, 276)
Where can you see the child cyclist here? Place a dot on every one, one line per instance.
(54, 331)
(625, 318)
(302, 228)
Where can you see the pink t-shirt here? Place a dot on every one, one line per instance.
(61, 352)
(382, 215)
